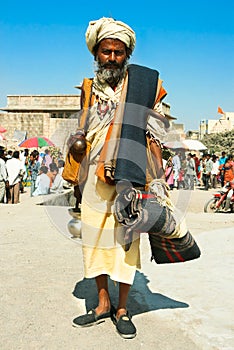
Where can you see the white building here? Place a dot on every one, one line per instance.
(212, 126)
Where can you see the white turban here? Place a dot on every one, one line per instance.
(108, 28)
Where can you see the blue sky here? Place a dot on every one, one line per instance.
(191, 44)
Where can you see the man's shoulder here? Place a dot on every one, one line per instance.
(10, 161)
(86, 83)
(45, 177)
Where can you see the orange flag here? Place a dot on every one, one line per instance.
(220, 110)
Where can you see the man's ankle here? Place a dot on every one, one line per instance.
(103, 308)
(121, 311)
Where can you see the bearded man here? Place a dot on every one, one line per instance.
(116, 129)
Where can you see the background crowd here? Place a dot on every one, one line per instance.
(185, 171)
(41, 172)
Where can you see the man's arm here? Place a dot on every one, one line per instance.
(3, 171)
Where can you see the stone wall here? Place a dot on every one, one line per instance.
(33, 123)
(38, 124)
(60, 129)
(43, 101)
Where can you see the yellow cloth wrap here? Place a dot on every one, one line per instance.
(102, 236)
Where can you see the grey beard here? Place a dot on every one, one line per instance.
(111, 76)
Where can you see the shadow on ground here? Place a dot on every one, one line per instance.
(140, 300)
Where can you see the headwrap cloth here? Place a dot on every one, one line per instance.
(108, 28)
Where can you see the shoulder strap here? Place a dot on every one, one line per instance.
(86, 94)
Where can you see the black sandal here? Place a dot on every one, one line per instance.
(90, 319)
(124, 326)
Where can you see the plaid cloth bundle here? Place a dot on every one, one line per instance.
(141, 211)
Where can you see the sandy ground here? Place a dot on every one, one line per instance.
(175, 306)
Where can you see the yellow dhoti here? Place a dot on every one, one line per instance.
(102, 236)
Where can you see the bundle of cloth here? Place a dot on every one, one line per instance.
(152, 212)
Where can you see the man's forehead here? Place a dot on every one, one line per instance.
(112, 42)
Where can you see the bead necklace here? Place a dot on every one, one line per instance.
(102, 109)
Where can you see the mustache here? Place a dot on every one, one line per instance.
(110, 65)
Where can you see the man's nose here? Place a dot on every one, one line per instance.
(112, 56)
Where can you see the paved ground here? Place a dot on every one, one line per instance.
(184, 306)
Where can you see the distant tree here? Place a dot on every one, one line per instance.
(167, 153)
(216, 143)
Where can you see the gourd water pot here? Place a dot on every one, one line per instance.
(74, 225)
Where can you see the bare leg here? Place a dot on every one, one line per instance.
(123, 297)
(103, 294)
(103, 308)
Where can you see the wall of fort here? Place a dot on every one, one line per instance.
(43, 101)
(33, 123)
(37, 124)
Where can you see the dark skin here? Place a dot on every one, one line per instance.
(112, 53)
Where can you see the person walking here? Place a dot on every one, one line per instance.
(176, 161)
(169, 175)
(214, 171)
(190, 173)
(207, 172)
(3, 175)
(33, 169)
(197, 165)
(24, 155)
(228, 169)
(229, 180)
(222, 161)
(15, 171)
